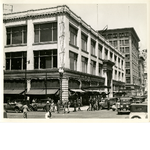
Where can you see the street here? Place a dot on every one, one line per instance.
(84, 114)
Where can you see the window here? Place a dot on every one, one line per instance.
(122, 64)
(126, 42)
(73, 36)
(73, 61)
(100, 69)
(93, 67)
(100, 50)
(127, 57)
(92, 47)
(45, 32)
(127, 79)
(16, 61)
(127, 64)
(84, 64)
(116, 74)
(111, 55)
(127, 71)
(122, 49)
(106, 54)
(127, 49)
(114, 43)
(115, 59)
(16, 35)
(45, 59)
(84, 42)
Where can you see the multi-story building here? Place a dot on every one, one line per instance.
(127, 42)
(50, 49)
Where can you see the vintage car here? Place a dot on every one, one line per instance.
(124, 106)
(138, 99)
(13, 106)
(138, 111)
(104, 103)
(39, 104)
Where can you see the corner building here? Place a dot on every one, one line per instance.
(38, 43)
(126, 41)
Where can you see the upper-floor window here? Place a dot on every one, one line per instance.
(127, 71)
(73, 36)
(84, 64)
(16, 60)
(45, 32)
(100, 69)
(16, 35)
(73, 60)
(111, 56)
(92, 47)
(93, 67)
(45, 59)
(127, 79)
(127, 49)
(83, 42)
(100, 47)
(106, 54)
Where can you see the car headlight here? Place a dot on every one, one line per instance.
(121, 106)
(127, 106)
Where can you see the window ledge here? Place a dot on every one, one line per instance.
(73, 46)
(43, 43)
(93, 56)
(15, 45)
(85, 51)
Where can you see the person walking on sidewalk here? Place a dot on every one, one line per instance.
(75, 105)
(58, 106)
(25, 110)
(48, 110)
(79, 104)
(68, 106)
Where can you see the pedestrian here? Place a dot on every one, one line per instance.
(108, 104)
(52, 105)
(75, 105)
(64, 105)
(48, 110)
(79, 104)
(58, 106)
(68, 106)
(90, 106)
(4, 112)
(25, 110)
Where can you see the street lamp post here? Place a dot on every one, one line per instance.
(61, 71)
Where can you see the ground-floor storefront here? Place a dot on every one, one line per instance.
(40, 84)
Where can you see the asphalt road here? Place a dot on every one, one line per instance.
(84, 114)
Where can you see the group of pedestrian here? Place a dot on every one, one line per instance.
(94, 103)
(77, 104)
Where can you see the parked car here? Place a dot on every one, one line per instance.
(138, 99)
(138, 111)
(13, 106)
(103, 103)
(39, 104)
(124, 106)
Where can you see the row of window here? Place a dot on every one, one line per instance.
(46, 59)
(115, 35)
(48, 32)
(42, 33)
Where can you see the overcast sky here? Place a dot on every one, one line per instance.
(100, 15)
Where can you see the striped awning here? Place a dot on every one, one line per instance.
(13, 91)
(77, 90)
(42, 91)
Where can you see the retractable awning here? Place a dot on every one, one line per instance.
(42, 91)
(13, 91)
(77, 90)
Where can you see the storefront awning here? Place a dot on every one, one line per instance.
(77, 90)
(42, 91)
(13, 91)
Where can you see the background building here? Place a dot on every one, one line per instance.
(127, 42)
(52, 51)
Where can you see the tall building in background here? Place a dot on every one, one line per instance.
(52, 51)
(126, 41)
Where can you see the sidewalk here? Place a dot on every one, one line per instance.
(82, 108)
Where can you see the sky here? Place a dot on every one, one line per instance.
(99, 15)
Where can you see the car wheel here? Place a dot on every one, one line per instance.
(136, 117)
(17, 110)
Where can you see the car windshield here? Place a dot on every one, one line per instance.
(138, 108)
(125, 100)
